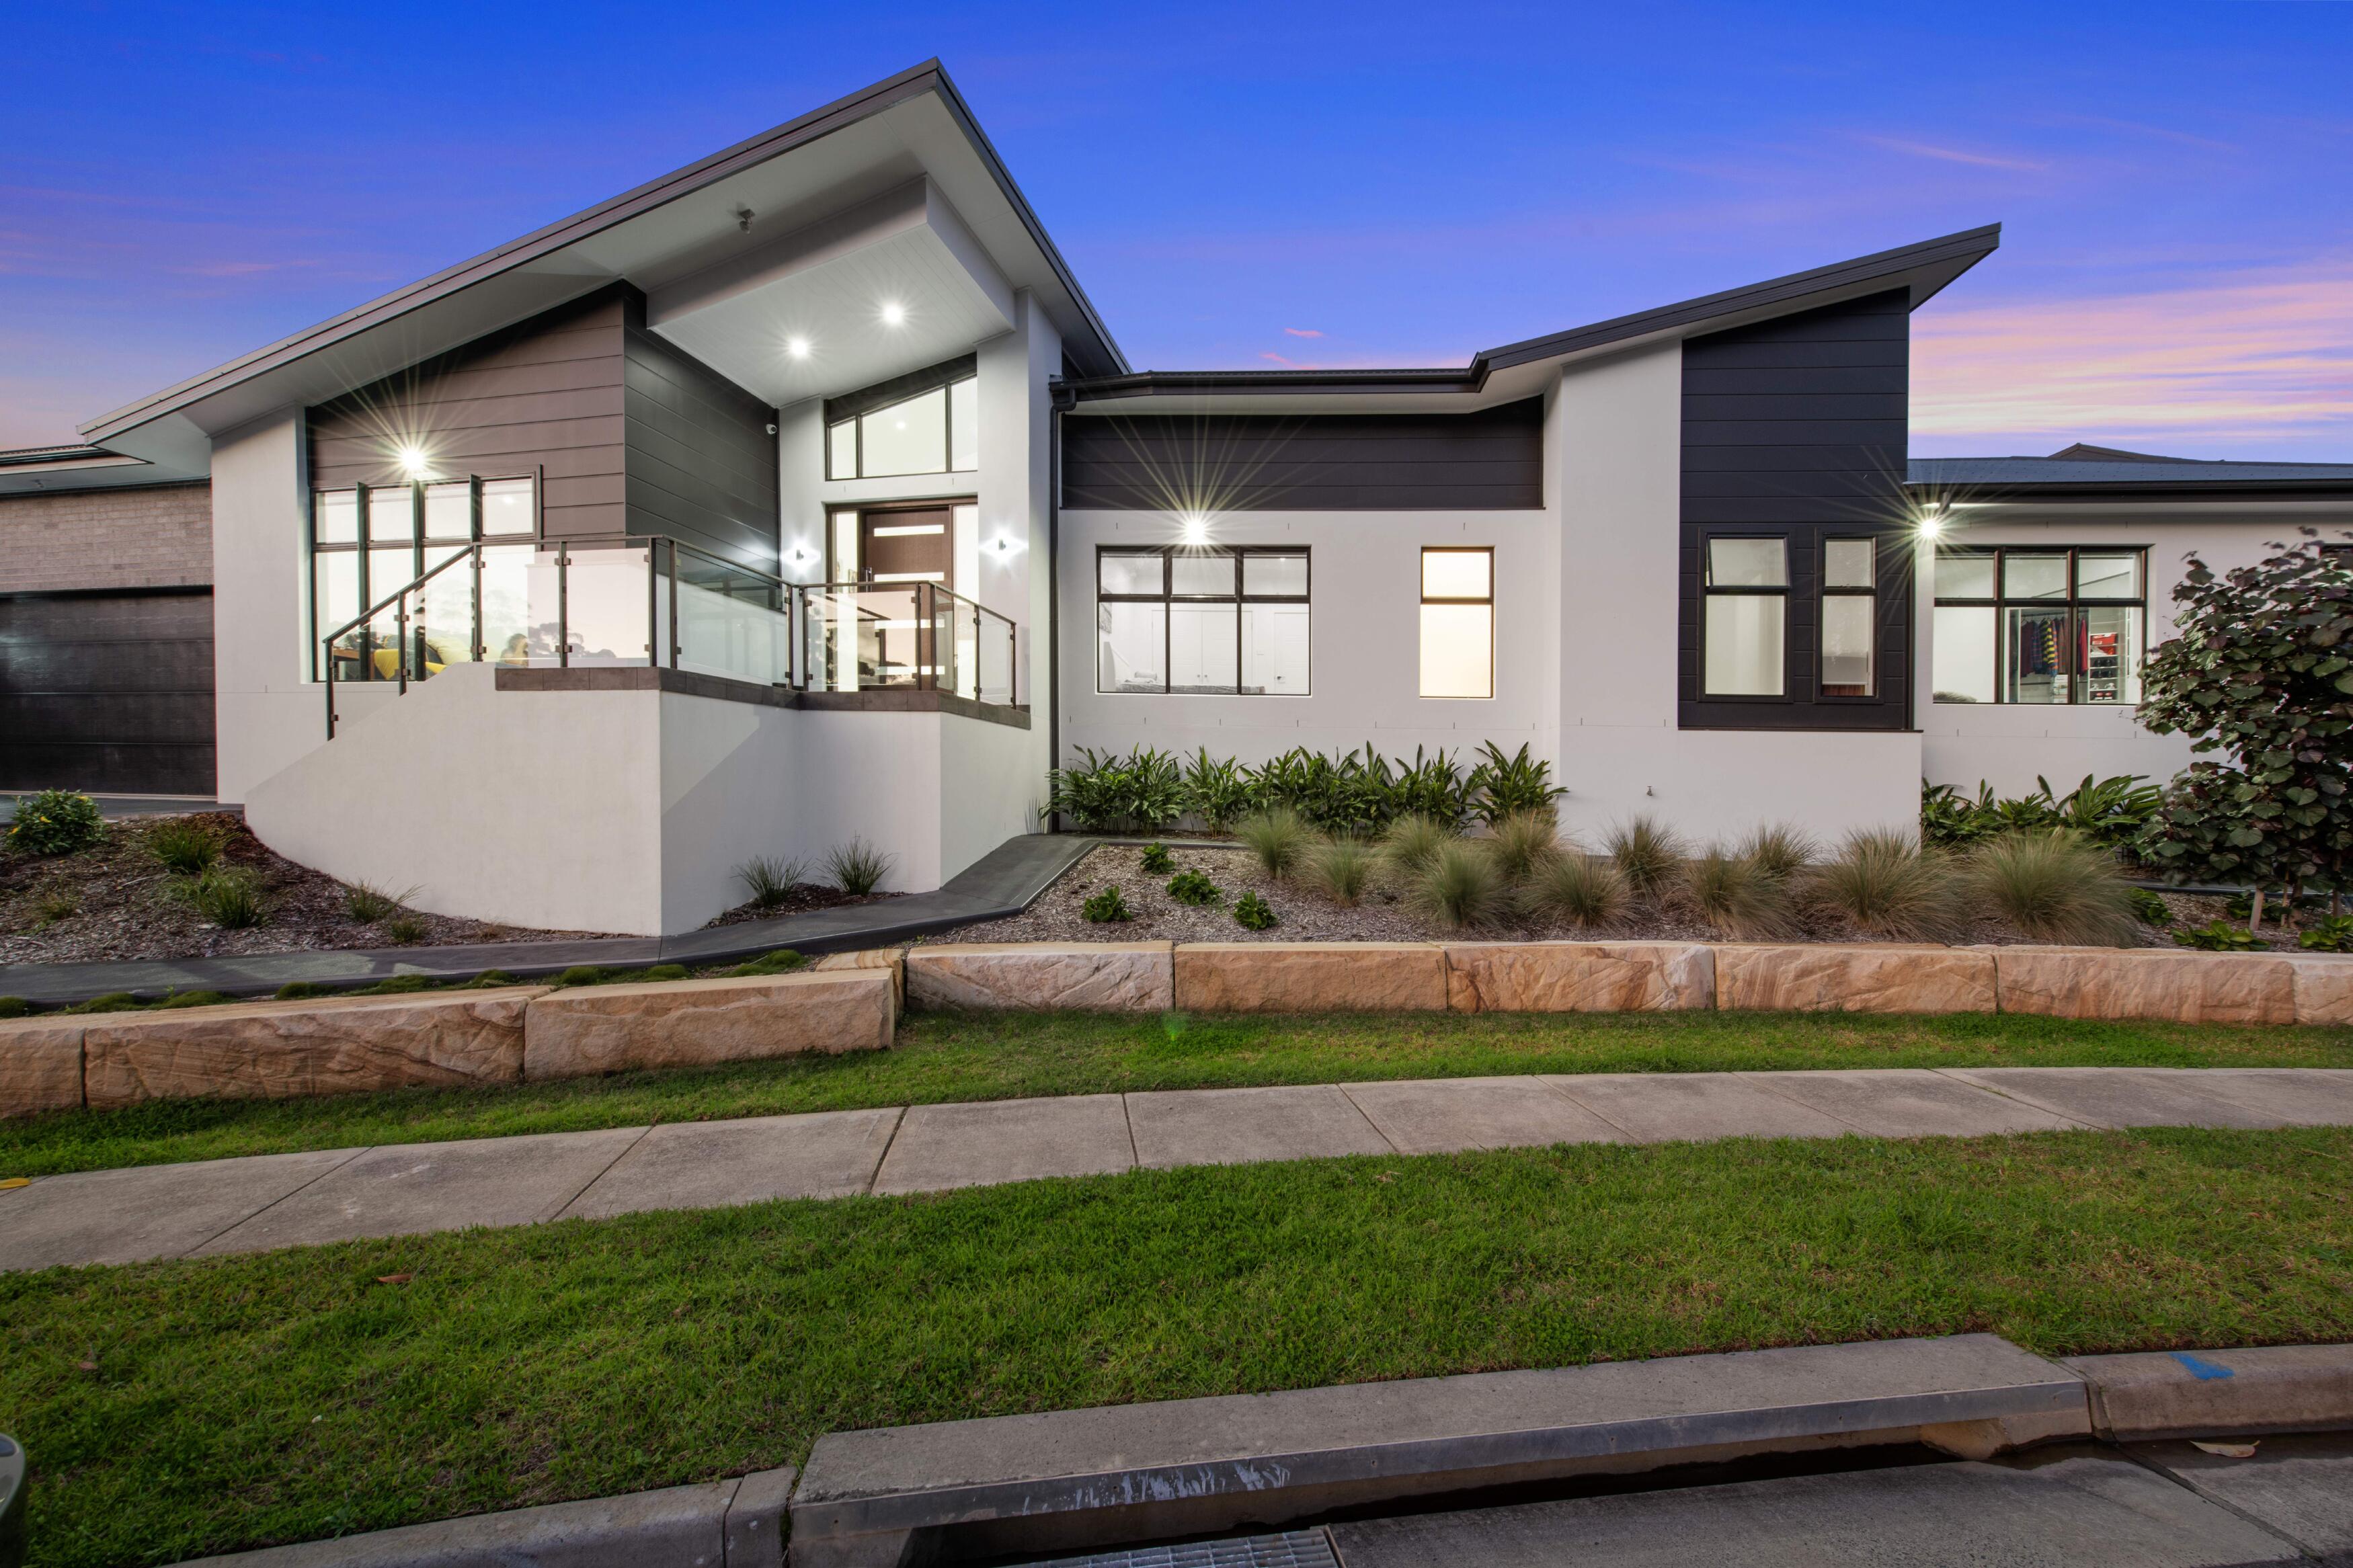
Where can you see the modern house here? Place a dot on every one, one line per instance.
(801, 495)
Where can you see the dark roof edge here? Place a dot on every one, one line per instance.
(64, 454)
(1981, 491)
(866, 103)
(1956, 251)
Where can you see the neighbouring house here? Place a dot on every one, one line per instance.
(801, 495)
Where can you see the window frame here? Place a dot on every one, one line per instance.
(1825, 591)
(1708, 590)
(857, 422)
(362, 546)
(1168, 598)
(2072, 602)
(1424, 598)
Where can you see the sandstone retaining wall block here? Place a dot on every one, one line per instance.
(1579, 976)
(2145, 983)
(2323, 988)
(1311, 976)
(1859, 978)
(40, 1065)
(274, 1050)
(1111, 976)
(592, 1029)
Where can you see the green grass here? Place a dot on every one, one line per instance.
(947, 1057)
(239, 1402)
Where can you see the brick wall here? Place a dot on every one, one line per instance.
(157, 537)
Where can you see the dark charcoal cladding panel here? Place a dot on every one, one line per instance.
(1799, 427)
(107, 692)
(702, 464)
(1491, 461)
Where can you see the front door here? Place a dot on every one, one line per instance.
(906, 546)
(898, 630)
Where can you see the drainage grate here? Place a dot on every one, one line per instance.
(1292, 1549)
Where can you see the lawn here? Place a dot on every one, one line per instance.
(950, 1056)
(178, 1408)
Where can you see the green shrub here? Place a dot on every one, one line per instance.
(302, 991)
(406, 929)
(1113, 794)
(185, 846)
(2054, 886)
(1413, 842)
(1193, 889)
(55, 822)
(770, 879)
(783, 960)
(1516, 786)
(2220, 936)
(1278, 836)
(1106, 907)
(1216, 792)
(1780, 850)
(1339, 869)
(395, 985)
(1587, 890)
(193, 999)
(2149, 910)
(580, 974)
(489, 979)
(2330, 933)
(1158, 861)
(858, 868)
(665, 971)
(14, 1007)
(1882, 883)
(367, 903)
(2114, 812)
(1522, 842)
(229, 896)
(112, 1002)
(1253, 913)
(1649, 855)
(1738, 897)
(1461, 885)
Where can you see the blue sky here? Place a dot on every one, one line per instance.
(1255, 185)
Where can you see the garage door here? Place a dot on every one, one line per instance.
(111, 693)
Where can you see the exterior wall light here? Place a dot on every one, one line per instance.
(414, 462)
(894, 314)
(1932, 519)
(1197, 528)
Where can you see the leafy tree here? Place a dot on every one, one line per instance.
(2261, 668)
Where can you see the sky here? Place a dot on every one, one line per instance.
(1261, 184)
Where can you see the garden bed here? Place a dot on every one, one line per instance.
(1385, 913)
(115, 900)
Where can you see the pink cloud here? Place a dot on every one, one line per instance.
(1302, 331)
(1277, 358)
(2262, 355)
(1954, 154)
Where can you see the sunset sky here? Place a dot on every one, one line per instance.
(1261, 184)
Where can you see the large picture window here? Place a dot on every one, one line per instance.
(1458, 622)
(1745, 632)
(934, 432)
(370, 541)
(2039, 625)
(1218, 619)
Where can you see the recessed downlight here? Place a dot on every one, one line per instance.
(894, 314)
(797, 347)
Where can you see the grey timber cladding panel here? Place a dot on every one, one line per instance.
(1799, 427)
(1491, 460)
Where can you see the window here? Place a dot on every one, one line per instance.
(1458, 622)
(370, 541)
(1231, 620)
(2040, 625)
(933, 432)
(1745, 633)
(1849, 617)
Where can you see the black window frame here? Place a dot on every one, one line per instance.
(2000, 602)
(1825, 591)
(1422, 587)
(362, 546)
(1785, 593)
(857, 422)
(1168, 598)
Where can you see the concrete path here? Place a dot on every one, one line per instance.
(291, 1200)
(1001, 883)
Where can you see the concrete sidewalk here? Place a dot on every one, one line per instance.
(291, 1200)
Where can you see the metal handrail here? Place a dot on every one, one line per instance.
(400, 599)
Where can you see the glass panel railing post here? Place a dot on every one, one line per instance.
(675, 636)
(563, 606)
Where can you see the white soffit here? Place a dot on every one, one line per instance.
(827, 285)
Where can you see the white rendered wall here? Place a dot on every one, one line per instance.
(2009, 745)
(267, 710)
(1364, 632)
(1622, 754)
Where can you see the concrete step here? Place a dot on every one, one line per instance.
(1081, 1478)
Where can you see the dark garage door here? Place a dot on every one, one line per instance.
(110, 693)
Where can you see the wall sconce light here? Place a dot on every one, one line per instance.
(1932, 519)
(414, 462)
(1197, 528)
